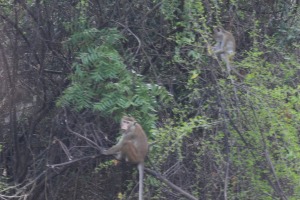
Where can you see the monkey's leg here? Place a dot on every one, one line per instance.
(130, 152)
(113, 150)
(225, 57)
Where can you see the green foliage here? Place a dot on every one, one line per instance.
(101, 82)
(256, 117)
(223, 135)
(104, 165)
(169, 8)
(270, 113)
(190, 17)
(169, 140)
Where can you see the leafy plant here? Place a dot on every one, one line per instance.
(101, 82)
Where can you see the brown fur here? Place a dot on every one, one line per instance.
(133, 147)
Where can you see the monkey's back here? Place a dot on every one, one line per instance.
(141, 143)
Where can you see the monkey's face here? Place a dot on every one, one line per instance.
(128, 124)
(218, 34)
(125, 125)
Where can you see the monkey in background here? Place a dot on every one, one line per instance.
(225, 46)
(132, 147)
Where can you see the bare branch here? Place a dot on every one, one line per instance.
(137, 38)
(92, 143)
(171, 185)
(65, 148)
(72, 161)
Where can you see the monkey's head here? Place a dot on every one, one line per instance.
(127, 123)
(218, 33)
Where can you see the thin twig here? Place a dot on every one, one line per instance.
(71, 161)
(136, 37)
(94, 144)
(171, 185)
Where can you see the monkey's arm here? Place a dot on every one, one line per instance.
(117, 148)
(219, 51)
(221, 48)
(114, 149)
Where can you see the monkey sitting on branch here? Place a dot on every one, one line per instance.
(225, 47)
(132, 147)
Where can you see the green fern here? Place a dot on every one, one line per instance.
(101, 82)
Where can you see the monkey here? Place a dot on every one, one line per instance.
(225, 46)
(132, 147)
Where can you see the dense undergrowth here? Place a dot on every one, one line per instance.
(70, 70)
